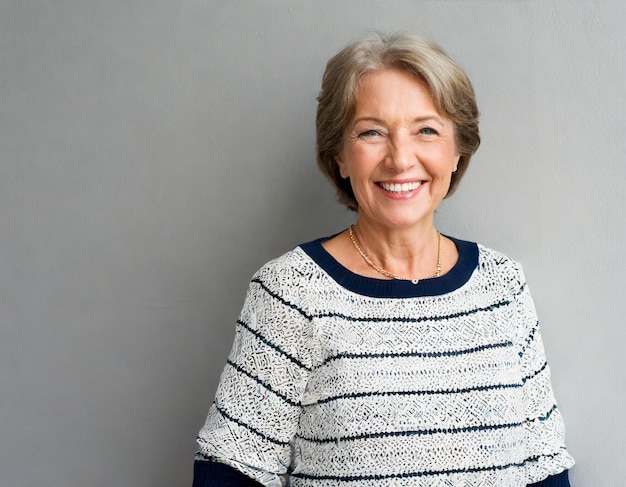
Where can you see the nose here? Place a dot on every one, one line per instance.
(402, 154)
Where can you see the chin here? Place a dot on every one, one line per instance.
(406, 222)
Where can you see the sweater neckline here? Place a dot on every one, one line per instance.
(394, 288)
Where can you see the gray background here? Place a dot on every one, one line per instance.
(155, 153)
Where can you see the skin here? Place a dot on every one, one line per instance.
(396, 136)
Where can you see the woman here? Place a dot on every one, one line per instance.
(388, 354)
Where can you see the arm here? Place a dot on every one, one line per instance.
(545, 431)
(257, 405)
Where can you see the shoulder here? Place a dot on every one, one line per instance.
(302, 262)
(500, 267)
(488, 262)
(292, 265)
(489, 256)
(287, 278)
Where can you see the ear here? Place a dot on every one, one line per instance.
(456, 163)
(343, 171)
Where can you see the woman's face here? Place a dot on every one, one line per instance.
(399, 151)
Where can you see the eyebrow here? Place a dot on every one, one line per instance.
(425, 118)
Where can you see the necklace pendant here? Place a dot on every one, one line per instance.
(415, 281)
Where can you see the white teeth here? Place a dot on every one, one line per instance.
(400, 188)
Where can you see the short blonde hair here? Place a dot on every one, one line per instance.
(449, 86)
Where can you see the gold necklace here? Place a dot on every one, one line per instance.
(391, 275)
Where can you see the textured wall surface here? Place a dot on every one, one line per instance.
(153, 154)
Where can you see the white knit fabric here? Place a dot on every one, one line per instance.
(341, 388)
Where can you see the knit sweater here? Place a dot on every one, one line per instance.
(337, 379)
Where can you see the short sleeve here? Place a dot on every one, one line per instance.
(255, 414)
(545, 431)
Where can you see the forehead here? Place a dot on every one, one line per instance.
(393, 90)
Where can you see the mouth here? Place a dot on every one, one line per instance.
(400, 188)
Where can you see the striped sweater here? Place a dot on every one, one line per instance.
(337, 379)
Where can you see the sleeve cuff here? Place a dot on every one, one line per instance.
(213, 474)
(559, 480)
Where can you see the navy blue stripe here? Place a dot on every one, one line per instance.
(241, 370)
(273, 346)
(368, 319)
(491, 387)
(248, 427)
(353, 478)
(450, 353)
(434, 431)
(419, 319)
(536, 373)
(280, 298)
(415, 393)
(529, 340)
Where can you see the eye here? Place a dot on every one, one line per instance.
(428, 131)
(367, 134)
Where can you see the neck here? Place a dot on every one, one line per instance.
(410, 253)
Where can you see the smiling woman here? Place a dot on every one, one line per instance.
(448, 88)
(388, 354)
(399, 154)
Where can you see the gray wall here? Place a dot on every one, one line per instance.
(153, 154)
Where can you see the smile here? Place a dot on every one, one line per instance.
(399, 188)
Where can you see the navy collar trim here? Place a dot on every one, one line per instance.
(394, 288)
